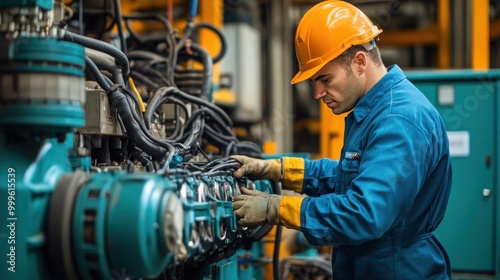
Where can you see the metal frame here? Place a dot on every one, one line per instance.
(480, 43)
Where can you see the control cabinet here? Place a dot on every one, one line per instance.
(469, 104)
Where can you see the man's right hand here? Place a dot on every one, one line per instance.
(258, 169)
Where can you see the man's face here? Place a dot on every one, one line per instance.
(339, 89)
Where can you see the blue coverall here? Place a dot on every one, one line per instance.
(380, 203)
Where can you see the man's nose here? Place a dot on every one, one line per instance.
(319, 91)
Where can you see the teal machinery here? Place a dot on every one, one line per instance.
(62, 216)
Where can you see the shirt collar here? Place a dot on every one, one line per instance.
(366, 104)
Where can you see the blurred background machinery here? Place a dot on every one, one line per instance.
(114, 152)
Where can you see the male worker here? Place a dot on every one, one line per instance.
(380, 203)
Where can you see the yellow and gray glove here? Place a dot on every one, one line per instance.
(255, 208)
(258, 169)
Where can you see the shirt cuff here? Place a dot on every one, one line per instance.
(293, 173)
(289, 211)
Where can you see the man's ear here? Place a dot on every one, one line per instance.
(360, 62)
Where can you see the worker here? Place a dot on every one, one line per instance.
(380, 203)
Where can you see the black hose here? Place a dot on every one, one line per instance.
(227, 138)
(277, 240)
(129, 98)
(108, 65)
(100, 61)
(219, 124)
(157, 74)
(143, 158)
(181, 44)
(134, 102)
(108, 81)
(118, 21)
(154, 17)
(178, 129)
(229, 148)
(134, 130)
(204, 103)
(144, 80)
(80, 17)
(97, 74)
(144, 55)
(153, 104)
(193, 117)
(214, 140)
(132, 33)
(119, 101)
(276, 253)
(196, 131)
(204, 58)
(165, 167)
(249, 146)
(170, 38)
(101, 46)
(118, 77)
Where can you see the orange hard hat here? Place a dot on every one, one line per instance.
(326, 31)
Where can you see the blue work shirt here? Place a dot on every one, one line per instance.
(380, 203)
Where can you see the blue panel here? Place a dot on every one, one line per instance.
(468, 229)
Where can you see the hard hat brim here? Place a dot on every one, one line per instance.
(304, 75)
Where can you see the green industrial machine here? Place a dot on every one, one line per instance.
(91, 203)
(469, 103)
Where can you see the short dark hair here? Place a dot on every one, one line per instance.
(345, 59)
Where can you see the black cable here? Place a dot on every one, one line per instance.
(101, 61)
(131, 99)
(229, 148)
(101, 46)
(153, 104)
(218, 32)
(80, 17)
(276, 253)
(277, 240)
(201, 55)
(137, 76)
(96, 73)
(195, 132)
(170, 37)
(218, 123)
(144, 140)
(132, 121)
(165, 168)
(178, 103)
(118, 21)
(143, 158)
(193, 117)
(132, 33)
(118, 77)
(133, 125)
(227, 138)
(157, 74)
(226, 165)
(214, 140)
(204, 103)
(158, 78)
(249, 146)
(145, 55)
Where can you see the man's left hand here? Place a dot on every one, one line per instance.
(255, 208)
